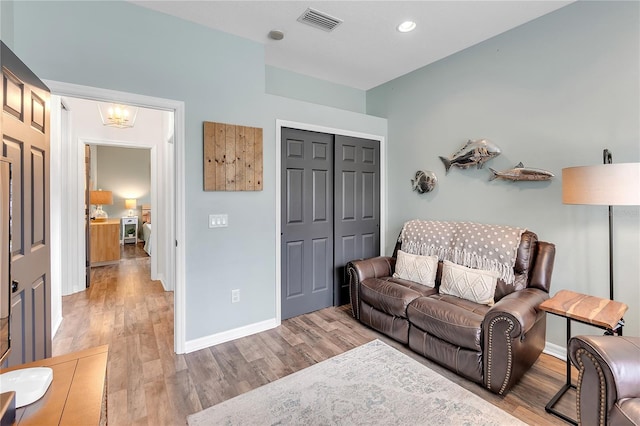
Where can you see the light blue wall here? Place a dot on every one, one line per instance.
(6, 22)
(552, 93)
(120, 46)
(297, 86)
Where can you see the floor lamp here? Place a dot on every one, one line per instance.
(606, 185)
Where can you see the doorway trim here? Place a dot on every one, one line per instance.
(173, 211)
(334, 131)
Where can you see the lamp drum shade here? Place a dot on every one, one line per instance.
(130, 204)
(604, 184)
(100, 197)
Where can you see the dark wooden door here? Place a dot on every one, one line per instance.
(357, 206)
(307, 222)
(330, 215)
(25, 141)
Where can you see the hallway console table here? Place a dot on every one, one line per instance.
(105, 242)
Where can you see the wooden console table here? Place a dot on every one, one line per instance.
(77, 393)
(602, 313)
(105, 242)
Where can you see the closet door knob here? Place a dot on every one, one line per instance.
(14, 286)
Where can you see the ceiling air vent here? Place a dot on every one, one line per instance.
(319, 19)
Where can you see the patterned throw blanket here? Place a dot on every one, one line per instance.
(486, 247)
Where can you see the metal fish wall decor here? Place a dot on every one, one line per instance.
(520, 172)
(477, 151)
(424, 181)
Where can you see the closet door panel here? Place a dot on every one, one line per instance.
(307, 222)
(357, 207)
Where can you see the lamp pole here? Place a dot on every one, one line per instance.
(607, 159)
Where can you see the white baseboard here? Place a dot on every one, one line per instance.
(225, 336)
(555, 350)
(160, 278)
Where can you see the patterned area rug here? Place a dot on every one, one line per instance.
(373, 384)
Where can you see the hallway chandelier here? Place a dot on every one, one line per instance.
(117, 115)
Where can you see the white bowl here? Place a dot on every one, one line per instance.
(29, 384)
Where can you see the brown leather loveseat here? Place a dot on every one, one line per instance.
(490, 344)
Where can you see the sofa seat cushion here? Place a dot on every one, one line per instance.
(625, 411)
(452, 319)
(392, 295)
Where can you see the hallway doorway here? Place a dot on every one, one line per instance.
(125, 173)
(167, 165)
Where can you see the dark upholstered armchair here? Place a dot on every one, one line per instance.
(608, 391)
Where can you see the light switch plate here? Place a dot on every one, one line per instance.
(218, 220)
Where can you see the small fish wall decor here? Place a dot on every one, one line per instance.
(477, 151)
(520, 172)
(424, 181)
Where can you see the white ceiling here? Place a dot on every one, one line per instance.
(365, 50)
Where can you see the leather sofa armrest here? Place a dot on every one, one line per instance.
(520, 307)
(513, 331)
(540, 276)
(375, 267)
(609, 371)
(360, 270)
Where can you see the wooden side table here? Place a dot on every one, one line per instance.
(602, 313)
(77, 393)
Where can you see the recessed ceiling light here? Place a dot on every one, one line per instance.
(407, 26)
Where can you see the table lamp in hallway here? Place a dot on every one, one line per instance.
(100, 198)
(131, 204)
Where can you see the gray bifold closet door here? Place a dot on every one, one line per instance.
(330, 215)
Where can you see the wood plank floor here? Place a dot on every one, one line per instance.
(150, 385)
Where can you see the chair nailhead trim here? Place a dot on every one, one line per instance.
(602, 389)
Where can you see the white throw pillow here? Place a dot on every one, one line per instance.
(420, 269)
(475, 285)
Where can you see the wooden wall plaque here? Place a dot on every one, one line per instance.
(232, 157)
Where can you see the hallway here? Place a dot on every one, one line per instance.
(134, 316)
